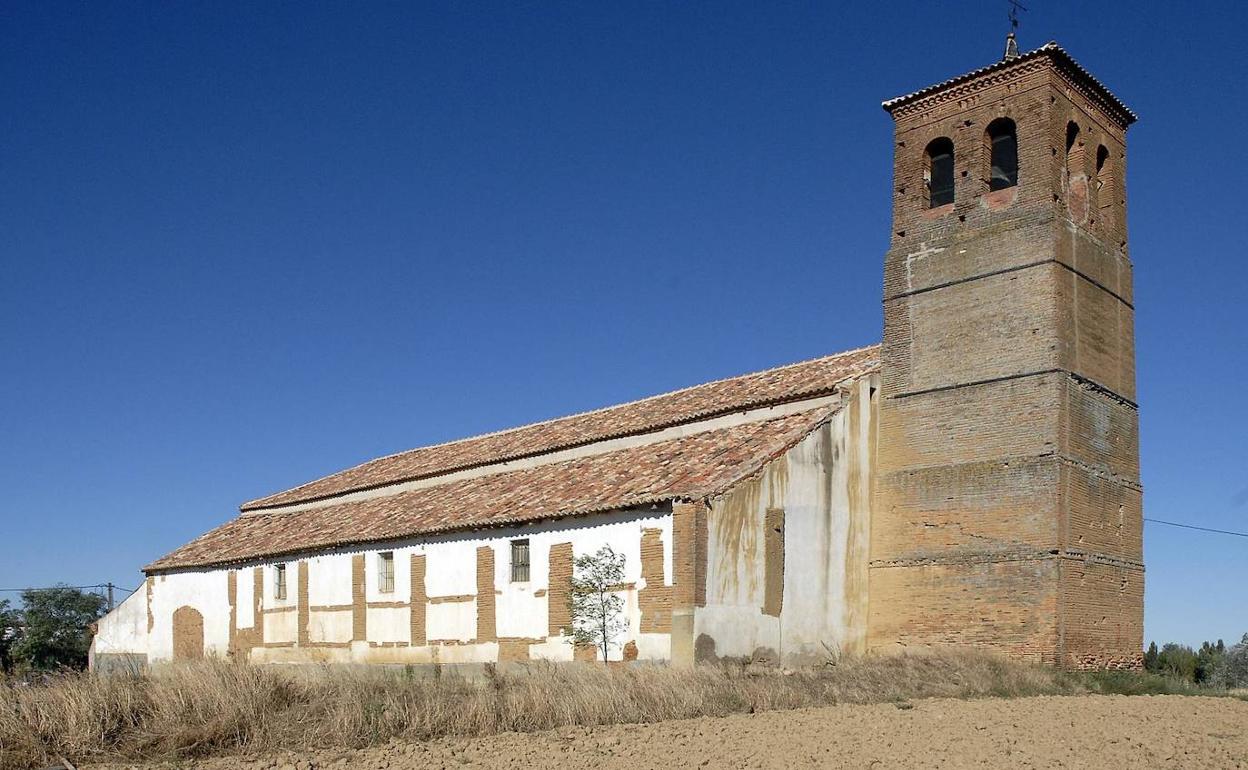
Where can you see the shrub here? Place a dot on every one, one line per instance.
(1231, 670)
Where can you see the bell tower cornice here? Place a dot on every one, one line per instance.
(1050, 56)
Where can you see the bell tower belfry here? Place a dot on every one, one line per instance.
(1008, 504)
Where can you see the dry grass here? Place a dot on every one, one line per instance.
(215, 708)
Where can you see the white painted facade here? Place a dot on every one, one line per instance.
(822, 486)
(451, 607)
(124, 630)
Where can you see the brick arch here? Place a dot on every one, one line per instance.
(188, 634)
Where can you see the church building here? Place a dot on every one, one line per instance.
(972, 480)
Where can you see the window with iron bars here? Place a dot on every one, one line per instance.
(385, 572)
(279, 581)
(520, 561)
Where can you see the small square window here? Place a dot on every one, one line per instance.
(279, 581)
(520, 561)
(385, 572)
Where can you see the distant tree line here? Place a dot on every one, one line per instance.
(50, 631)
(1212, 664)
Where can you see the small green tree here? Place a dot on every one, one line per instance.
(1150, 657)
(1207, 660)
(1178, 661)
(597, 610)
(56, 627)
(10, 627)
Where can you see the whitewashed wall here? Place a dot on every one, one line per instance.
(823, 486)
(208, 593)
(450, 571)
(124, 630)
(329, 584)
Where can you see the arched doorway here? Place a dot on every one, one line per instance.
(188, 634)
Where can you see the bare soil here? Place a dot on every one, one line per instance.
(1118, 732)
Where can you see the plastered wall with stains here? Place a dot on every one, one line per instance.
(787, 550)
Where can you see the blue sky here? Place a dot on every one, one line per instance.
(242, 247)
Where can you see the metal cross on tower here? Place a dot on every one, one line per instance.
(1015, 7)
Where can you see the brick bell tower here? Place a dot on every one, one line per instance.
(1008, 502)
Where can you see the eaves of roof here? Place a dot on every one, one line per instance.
(692, 467)
(1051, 50)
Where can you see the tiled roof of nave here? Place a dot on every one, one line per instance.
(806, 379)
(699, 465)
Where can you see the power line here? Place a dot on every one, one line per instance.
(49, 588)
(1193, 526)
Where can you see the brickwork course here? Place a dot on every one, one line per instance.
(1005, 500)
(559, 595)
(420, 600)
(485, 594)
(655, 599)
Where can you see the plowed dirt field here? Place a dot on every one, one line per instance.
(1113, 732)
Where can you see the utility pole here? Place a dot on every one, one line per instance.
(110, 597)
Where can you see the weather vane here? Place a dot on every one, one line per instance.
(1011, 43)
(1015, 7)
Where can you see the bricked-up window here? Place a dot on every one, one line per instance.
(279, 581)
(938, 171)
(1002, 141)
(1074, 150)
(385, 572)
(520, 561)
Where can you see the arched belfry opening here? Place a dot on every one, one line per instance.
(1001, 140)
(938, 171)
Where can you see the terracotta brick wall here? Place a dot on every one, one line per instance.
(655, 600)
(359, 600)
(485, 595)
(1009, 606)
(559, 590)
(1007, 505)
(148, 585)
(514, 650)
(188, 634)
(243, 640)
(305, 612)
(689, 555)
(420, 600)
(689, 535)
(1102, 609)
